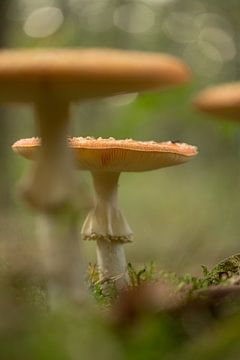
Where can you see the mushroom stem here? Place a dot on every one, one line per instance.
(112, 263)
(50, 189)
(50, 184)
(106, 224)
(61, 256)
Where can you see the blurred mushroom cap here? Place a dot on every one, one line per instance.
(75, 74)
(117, 155)
(222, 100)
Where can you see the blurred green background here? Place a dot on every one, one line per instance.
(183, 216)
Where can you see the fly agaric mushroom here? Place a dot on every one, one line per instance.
(222, 100)
(51, 80)
(106, 159)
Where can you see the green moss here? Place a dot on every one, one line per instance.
(126, 329)
(222, 274)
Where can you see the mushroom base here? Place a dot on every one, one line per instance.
(112, 263)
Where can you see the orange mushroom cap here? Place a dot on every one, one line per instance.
(75, 74)
(116, 155)
(222, 100)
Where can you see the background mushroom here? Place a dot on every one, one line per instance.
(106, 159)
(51, 80)
(222, 100)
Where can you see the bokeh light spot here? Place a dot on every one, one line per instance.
(97, 17)
(43, 22)
(134, 18)
(181, 27)
(159, 2)
(221, 40)
(204, 59)
(213, 20)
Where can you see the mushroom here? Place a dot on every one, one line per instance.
(106, 159)
(51, 80)
(222, 100)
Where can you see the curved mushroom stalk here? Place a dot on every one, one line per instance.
(106, 224)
